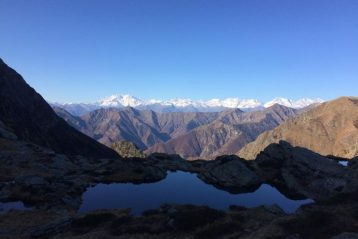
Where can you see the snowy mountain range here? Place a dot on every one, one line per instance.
(182, 105)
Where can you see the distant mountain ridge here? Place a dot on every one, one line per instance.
(190, 134)
(182, 105)
(142, 127)
(231, 131)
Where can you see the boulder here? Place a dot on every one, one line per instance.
(171, 162)
(230, 173)
(300, 171)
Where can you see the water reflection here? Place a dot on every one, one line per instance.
(179, 188)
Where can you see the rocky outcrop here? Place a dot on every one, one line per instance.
(337, 218)
(230, 173)
(30, 118)
(169, 221)
(346, 235)
(53, 184)
(45, 180)
(329, 129)
(173, 162)
(187, 221)
(298, 171)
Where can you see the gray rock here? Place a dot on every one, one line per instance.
(230, 173)
(31, 180)
(6, 133)
(5, 233)
(302, 171)
(50, 228)
(294, 236)
(275, 209)
(346, 235)
(170, 162)
(60, 161)
(71, 201)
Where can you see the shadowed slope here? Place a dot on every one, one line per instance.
(28, 115)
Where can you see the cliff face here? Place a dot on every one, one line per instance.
(329, 129)
(29, 116)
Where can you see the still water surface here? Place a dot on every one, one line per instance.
(179, 188)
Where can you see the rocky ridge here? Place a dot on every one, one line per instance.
(330, 129)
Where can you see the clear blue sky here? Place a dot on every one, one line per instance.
(83, 50)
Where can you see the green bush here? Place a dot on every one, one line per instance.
(127, 149)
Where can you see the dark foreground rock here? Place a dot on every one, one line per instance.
(335, 219)
(230, 173)
(53, 184)
(346, 235)
(298, 171)
(322, 220)
(184, 221)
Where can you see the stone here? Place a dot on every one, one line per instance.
(230, 173)
(346, 235)
(301, 171)
(31, 180)
(275, 209)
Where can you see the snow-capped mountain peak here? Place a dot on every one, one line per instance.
(280, 101)
(301, 103)
(181, 102)
(185, 104)
(128, 100)
(120, 101)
